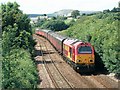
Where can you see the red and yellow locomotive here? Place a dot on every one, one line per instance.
(78, 53)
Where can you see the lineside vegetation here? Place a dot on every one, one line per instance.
(18, 68)
(102, 31)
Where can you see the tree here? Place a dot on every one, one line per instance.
(75, 13)
(55, 25)
(71, 23)
(44, 14)
(61, 18)
(115, 9)
(8, 39)
(19, 70)
(83, 14)
(40, 22)
(17, 47)
(12, 15)
(89, 37)
(106, 11)
(53, 18)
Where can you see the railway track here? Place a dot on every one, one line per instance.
(62, 76)
(48, 70)
(58, 79)
(60, 71)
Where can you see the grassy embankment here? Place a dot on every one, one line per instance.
(103, 28)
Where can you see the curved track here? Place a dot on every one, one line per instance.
(58, 74)
(58, 80)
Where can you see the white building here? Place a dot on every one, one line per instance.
(34, 20)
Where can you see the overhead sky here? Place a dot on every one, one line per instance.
(50, 6)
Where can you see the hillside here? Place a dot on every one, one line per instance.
(63, 12)
(34, 15)
(103, 28)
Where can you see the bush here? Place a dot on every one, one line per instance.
(55, 25)
(40, 22)
(71, 23)
(19, 70)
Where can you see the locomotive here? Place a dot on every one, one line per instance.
(78, 53)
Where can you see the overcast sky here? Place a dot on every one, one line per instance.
(50, 6)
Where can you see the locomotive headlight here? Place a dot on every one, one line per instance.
(78, 60)
(91, 60)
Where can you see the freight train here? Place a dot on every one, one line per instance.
(79, 54)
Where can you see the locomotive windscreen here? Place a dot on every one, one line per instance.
(84, 49)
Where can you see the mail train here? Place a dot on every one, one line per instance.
(79, 54)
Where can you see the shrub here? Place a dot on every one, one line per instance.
(55, 25)
(19, 70)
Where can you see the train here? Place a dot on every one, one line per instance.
(79, 54)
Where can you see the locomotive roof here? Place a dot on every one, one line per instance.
(71, 41)
(57, 36)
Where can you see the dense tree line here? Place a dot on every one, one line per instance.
(55, 24)
(75, 13)
(102, 31)
(18, 68)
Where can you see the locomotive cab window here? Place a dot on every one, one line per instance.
(84, 49)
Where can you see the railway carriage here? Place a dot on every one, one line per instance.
(43, 33)
(57, 41)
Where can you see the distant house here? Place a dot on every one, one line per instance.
(33, 19)
(69, 16)
(43, 17)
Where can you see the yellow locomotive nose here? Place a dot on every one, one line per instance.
(84, 59)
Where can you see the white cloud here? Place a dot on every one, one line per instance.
(50, 6)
